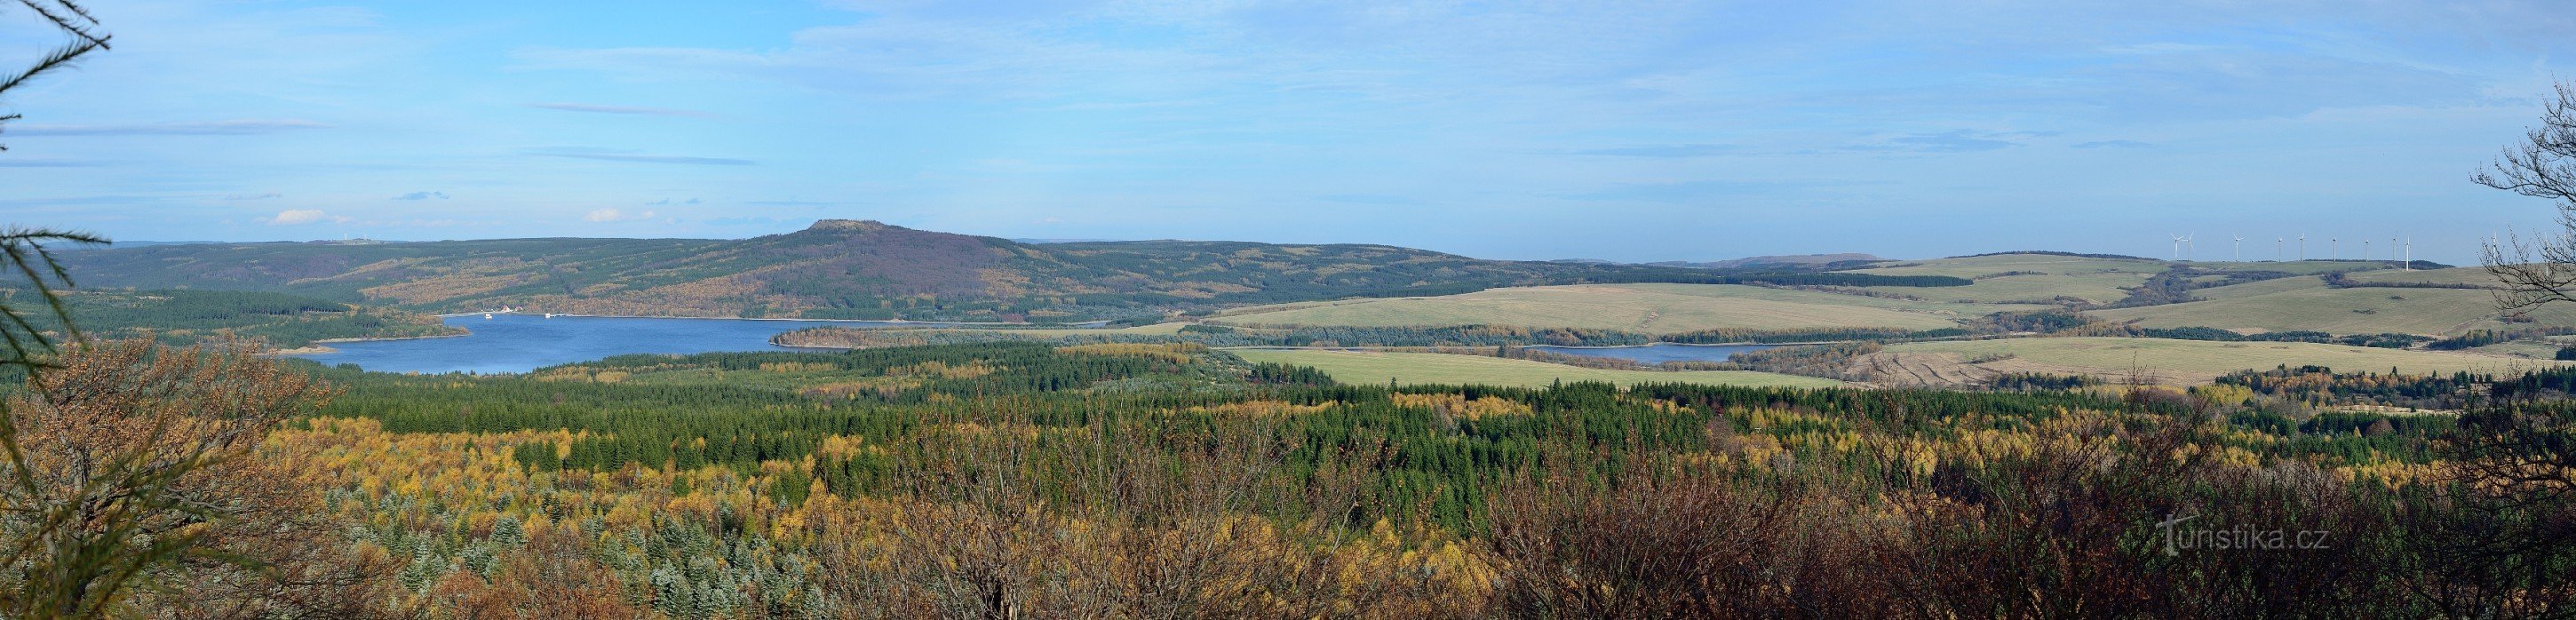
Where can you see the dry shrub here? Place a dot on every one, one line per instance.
(142, 487)
(1685, 542)
(555, 576)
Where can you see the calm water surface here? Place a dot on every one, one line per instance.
(520, 343)
(1662, 352)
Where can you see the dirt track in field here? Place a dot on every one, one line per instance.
(1922, 370)
(1950, 370)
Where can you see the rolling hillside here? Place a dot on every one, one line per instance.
(2181, 362)
(182, 317)
(2438, 302)
(2032, 278)
(2249, 296)
(1379, 368)
(1641, 308)
(835, 269)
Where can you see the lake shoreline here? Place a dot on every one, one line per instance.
(514, 342)
(1082, 325)
(317, 347)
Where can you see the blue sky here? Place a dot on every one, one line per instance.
(1628, 131)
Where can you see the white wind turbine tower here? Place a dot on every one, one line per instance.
(2334, 247)
(2177, 249)
(2303, 246)
(2410, 252)
(2365, 249)
(2280, 248)
(2240, 248)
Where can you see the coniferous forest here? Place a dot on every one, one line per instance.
(1169, 480)
(1089, 403)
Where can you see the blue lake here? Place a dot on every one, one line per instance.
(520, 343)
(1662, 352)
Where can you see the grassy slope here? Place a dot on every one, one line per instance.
(1663, 308)
(2265, 287)
(2309, 268)
(2339, 311)
(1372, 368)
(1157, 329)
(2455, 275)
(2114, 356)
(2097, 279)
(2306, 303)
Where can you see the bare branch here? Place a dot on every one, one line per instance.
(2542, 269)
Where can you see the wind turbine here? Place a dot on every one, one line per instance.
(2177, 249)
(2303, 246)
(2334, 247)
(2240, 248)
(2280, 248)
(2410, 252)
(2365, 249)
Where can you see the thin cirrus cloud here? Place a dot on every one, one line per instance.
(46, 162)
(615, 215)
(422, 196)
(1954, 141)
(635, 156)
(2113, 144)
(1666, 150)
(291, 217)
(621, 109)
(245, 127)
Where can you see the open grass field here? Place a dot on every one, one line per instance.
(1973, 266)
(2040, 277)
(2050, 276)
(2455, 275)
(1373, 368)
(2193, 361)
(1157, 329)
(2303, 303)
(2305, 268)
(1644, 308)
(2264, 287)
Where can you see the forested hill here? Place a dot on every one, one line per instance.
(849, 269)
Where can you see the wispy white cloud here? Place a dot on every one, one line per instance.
(636, 156)
(1666, 150)
(620, 109)
(615, 215)
(1193, 119)
(1953, 141)
(291, 217)
(201, 128)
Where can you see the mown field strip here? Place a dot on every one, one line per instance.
(1376, 368)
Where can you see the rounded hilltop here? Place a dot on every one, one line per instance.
(849, 225)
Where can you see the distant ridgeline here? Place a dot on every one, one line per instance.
(1348, 336)
(182, 317)
(845, 269)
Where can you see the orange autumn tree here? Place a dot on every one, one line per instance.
(136, 487)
